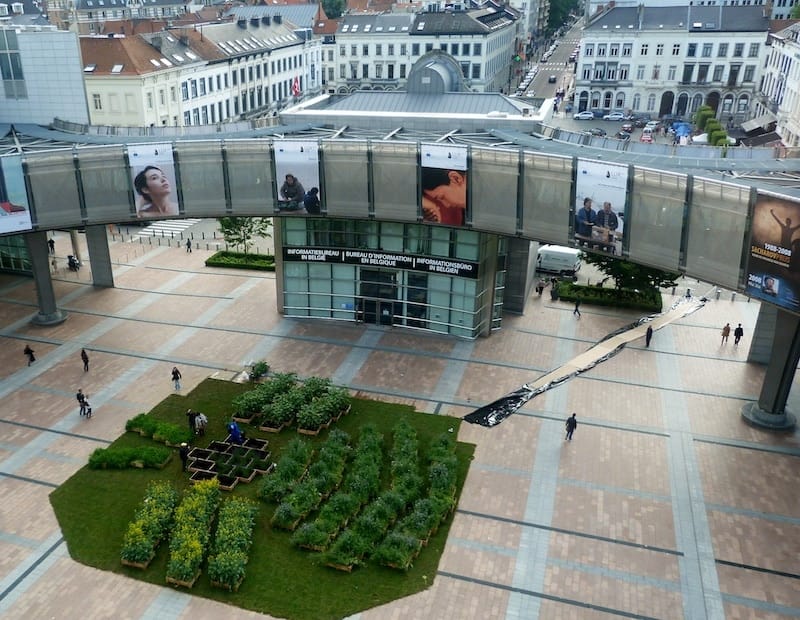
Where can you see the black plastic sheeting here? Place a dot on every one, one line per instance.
(497, 411)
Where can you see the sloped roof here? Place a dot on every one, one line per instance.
(302, 15)
(685, 18)
(325, 26)
(132, 55)
(408, 103)
(104, 5)
(375, 24)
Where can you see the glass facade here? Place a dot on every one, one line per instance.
(14, 254)
(377, 292)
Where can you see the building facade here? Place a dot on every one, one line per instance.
(672, 60)
(35, 62)
(775, 9)
(90, 16)
(779, 92)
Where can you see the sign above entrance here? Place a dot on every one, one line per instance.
(391, 260)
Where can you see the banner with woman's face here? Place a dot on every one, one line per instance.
(15, 215)
(444, 184)
(153, 174)
(296, 173)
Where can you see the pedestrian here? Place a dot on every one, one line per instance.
(51, 243)
(184, 454)
(648, 335)
(85, 360)
(577, 309)
(176, 377)
(200, 423)
(54, 264)
(235, 433)
(81, 398)
(29, 353)
(737, 334)
(87, 407)
(191, 416)
(189, 246)
(726, 331)
(572, 424)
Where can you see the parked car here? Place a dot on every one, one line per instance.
(586, 115)
(552, 79)
(614, 116)
(622, 135)
(646, 137)
(627, 127)
(596, 131)
(652, 125)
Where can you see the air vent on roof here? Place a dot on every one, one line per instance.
(265, 20)
(278, 19)
(697, 24)
(242, 23)
(254, 22)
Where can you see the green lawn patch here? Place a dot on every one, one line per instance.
(95, 506)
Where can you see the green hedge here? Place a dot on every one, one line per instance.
(649, 300)
(154, 457)
(238, 260)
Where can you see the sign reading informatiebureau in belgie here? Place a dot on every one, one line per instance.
(378, 258)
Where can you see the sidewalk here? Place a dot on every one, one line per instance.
(664, 505)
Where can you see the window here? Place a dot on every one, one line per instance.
(390, 71)
(428, 47)
(402, 72)
(722, 50)
(656, 72)
(623, 72)
(477, 49)
(671, 72)
(753, 52)
(330, 55)
(149, 99)
(234, 78)
(185, 91)
(718, 71)
(454, 47)
(676, 49)
(589, 50)
(162, 97)
(749, 72)
(464, 69)
(249, 75)
(173, 94)
(242, 75)
(195, 116)
(599, 72)
(98, 103)
(219, 78)
(738, 50)
(626, 49)
(403, 49)
(601, 49)
(365, 71)
(688, 72)
(651, 103)
(331, 74)
(707, 49)
(354, 50)
(660, 49)
(187, 118)
(587, 72)
(365, 50)
(691, 51)
(379, 71)
(702, 73)
(637, 101)
(611, 72)
(415, 49)
(202, 86)
(378, 49)
(205, 115)
(353, 70)
(443, 47)
(476, 71)
(614, 50)
(643, 49)
(342, 72)
(640, 72)
(342, 49)
(390, 50)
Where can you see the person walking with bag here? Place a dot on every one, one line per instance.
(737, 335)
(726, 331)
(176, 378)
(29, 353)
(81, 398)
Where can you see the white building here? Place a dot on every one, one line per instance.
(779, 96)
(776, 9)
(671, 60)
(90, 16)
(212, 74)
(35, 63)
(377, 52)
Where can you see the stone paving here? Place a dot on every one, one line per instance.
(664, 505)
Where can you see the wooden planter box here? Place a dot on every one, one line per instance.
(139, 565)
(343, 412)
(256, 444)
(310, 431)
(274, 429)
(184, 584)
(348, 568)
(219, 446)
(200, 453)
(199, 476)
(243, 419)
(225, 586)
(248, 478)
(268, 469)
(201, 465)
(227, 483)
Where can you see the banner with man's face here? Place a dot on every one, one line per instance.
(600, 193)
(153, 175)
(773, 268)
(15, 215)
(297, 177)
(444, 184)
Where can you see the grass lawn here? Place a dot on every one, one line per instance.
(94, 507)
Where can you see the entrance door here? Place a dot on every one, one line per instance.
(378, 295)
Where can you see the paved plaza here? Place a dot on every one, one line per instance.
(664, 505)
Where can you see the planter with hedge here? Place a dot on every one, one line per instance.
(150, 525)
(152, 457)
(234, 535)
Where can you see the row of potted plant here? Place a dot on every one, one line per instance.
(404, 542)
(324, 409)
(360, 484)
(288, 470)
(166, 432)
(323, 476)
(283, 409)
(150, 524)
(229, 552)
(252, 403)
(188, 543)
(154, 457)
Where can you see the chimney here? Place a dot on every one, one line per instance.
(278, 19)
(254, 22)
(242, 23)
(265, 20)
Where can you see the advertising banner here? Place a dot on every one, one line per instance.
(15, 215)
(153, 175)
(773, 269)
(377, 258)
(444, 184)
(297, 177)
(600, 193)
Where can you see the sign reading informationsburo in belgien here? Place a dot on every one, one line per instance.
(377, 258)
(773, 271)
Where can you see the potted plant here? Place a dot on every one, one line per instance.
(150, 525)
(226, 565)
(258, 370)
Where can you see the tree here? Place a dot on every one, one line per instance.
(240, 231)
(559, 13)
(630, 275)
(333, 8)
(795, 14)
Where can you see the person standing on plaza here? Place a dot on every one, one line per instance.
(572, 424)
(184, 454)
(200, 423)
(29, 353)
(577, 310)
(726, 331)
(191, 416)
(189, 246)
(85, 360)
(176, 378)
(737, 334)
(51, 243)
(648, 336)
(81, 398)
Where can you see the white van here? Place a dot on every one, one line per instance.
(558, 259)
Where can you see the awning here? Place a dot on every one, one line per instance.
(762, 122)
(762, 140)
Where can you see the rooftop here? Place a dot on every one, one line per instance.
(683, 18)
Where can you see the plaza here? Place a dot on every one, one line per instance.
(664, 505)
